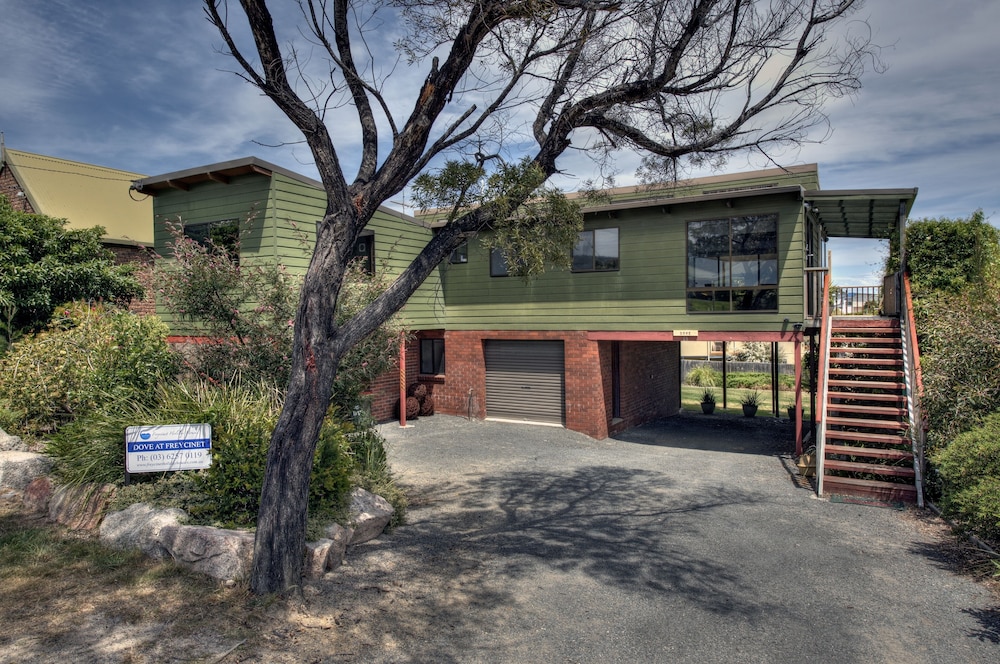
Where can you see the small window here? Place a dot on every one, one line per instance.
(364, 250)
(460, 254)
(596, 251)
(432, 356)
(223, 236)
(498, 264)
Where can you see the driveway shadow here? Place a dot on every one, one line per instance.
(767, 436)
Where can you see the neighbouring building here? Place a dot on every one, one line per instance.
(85, 196)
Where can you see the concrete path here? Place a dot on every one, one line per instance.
(688, 541)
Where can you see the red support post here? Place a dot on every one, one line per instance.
(402, 380)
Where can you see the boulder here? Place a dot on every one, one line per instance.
(341, 537)
(221, 554)
(139, 526)
(80, 507)
(317, 560)
(37, 495)
(19, 469)
(368, 515)
(9, 443)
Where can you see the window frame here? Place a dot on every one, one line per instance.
(460, 254)
(498, 262)
(748, 293)
(593, 233)
(432, 356)
(201, 232)
(364, 248)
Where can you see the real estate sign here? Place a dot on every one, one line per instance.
(155, 449)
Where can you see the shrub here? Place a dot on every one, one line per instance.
(756, 351)
(88, 356)
(969, 468)
(227, 493)
(44, 265)
(758, 381)
(703, 376)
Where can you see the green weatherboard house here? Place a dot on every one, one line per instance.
(597, 348)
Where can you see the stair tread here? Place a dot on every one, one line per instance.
(872, 361)
(866, 396)
(869, 410)
(884, 341)
(872, 468)
(866, 351)
(866, 384)
(878, 488)
(865, 437)
(873, 452)
(867, 373)
(867, 423)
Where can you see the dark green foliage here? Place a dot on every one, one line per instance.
(87, 357)
(969, 468)
(91, 449)
(43, 264)
(759, 381)
(532, 235)
(960, 351)
(949, 254)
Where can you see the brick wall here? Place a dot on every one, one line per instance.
(144, 259)
(10, 187)
(650, 382)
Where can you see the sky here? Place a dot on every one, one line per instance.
(145, 87)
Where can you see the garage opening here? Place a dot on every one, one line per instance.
(525, 381)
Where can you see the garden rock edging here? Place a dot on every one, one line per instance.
(161, 533)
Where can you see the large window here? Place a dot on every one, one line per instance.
(432, 356)
(596, 250)
(732, 264)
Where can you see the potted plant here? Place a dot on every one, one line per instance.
(708, 402)
(750, 403)
(791, 410)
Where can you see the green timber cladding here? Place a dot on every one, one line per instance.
(648, 292)
(279, 210)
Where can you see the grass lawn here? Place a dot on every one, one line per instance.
(691, 400)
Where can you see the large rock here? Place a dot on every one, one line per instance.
(369, 514)
(9, 443)
(341, 537)
(139, 526)
(19, 469)
(221, 554)
(80, 507)
(37, 495)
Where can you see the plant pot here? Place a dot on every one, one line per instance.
(749, 411)
(707, 407)
(791, 412)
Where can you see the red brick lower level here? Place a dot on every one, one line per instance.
(648, 385)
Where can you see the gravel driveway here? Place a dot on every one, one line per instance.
(687, 541)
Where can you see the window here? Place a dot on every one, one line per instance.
(498, 264)
(432, 356)
(364, 250)
(460, 254)
(223, 236)
(732, 264)
(596, 251)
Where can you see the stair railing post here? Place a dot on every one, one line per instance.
(824, 377)
(914, 385)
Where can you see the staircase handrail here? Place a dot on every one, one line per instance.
(914, 386)
(823, 379)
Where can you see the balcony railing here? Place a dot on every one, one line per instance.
(856, 300)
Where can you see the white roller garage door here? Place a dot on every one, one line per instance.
(524, 381)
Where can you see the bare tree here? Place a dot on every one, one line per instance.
(675, 80)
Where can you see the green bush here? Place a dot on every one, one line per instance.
(969, 468)
(91, 449)
(704, 376)
(86, 357)
(758, 381)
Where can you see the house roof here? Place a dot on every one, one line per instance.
(84, 194)
(219, 172)
(861, 213)
(223, 171)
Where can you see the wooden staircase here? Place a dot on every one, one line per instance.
(867, 452)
